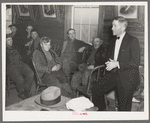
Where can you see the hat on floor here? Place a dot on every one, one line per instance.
(51, 97)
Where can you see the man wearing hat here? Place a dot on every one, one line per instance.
(49, 66)
(18, 71)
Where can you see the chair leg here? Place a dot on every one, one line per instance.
(106, 102)
(91, 98)
(37, 89)
(77, 93)
(116, 102)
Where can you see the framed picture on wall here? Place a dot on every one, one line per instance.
(128, 11)
(23, 10)
(48, 11)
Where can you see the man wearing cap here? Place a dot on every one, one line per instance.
(49, 66)
(71, 53)
(18, 71)
(122, 68)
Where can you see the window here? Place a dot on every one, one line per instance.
(85, 22)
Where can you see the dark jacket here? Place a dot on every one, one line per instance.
(12, 57)
(129, 60)
(77, 45)
(100, 55)
(18, 43)
(41, 62)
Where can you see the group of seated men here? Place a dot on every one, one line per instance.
(53, 70)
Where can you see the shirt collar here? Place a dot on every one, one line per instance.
(121, 37)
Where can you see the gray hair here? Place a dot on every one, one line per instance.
(122, 20)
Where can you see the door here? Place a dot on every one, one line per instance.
(85, 21)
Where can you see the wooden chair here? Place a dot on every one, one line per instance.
(38, 79)
(85, 90)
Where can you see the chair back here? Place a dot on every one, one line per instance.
(85, 56)
(39, 81)
(99, 74)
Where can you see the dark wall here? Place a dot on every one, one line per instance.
(53, 28)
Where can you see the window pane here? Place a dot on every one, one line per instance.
(94, 15)
(77, 15)
(93, 33)
(77, 29)
(85, 15)
(84, 32)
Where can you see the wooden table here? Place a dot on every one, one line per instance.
(30, 105)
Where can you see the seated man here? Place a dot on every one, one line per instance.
(33, 44)
(72, 52)
(17, 39)
(36, 40)
(48, 66)
(28, 42)
(93, 57)
(18, 71)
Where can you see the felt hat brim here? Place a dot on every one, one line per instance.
(63, 101)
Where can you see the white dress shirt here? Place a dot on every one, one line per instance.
(117, 48)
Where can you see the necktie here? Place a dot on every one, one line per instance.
(118, 38)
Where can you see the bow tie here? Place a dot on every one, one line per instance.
(118, 38)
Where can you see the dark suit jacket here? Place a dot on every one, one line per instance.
(77, 44)
(129, 60)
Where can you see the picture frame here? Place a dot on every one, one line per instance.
(48, 12)
(128, 11)
(24, 11)
(135, 22)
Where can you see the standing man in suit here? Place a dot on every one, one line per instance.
(122, 68)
